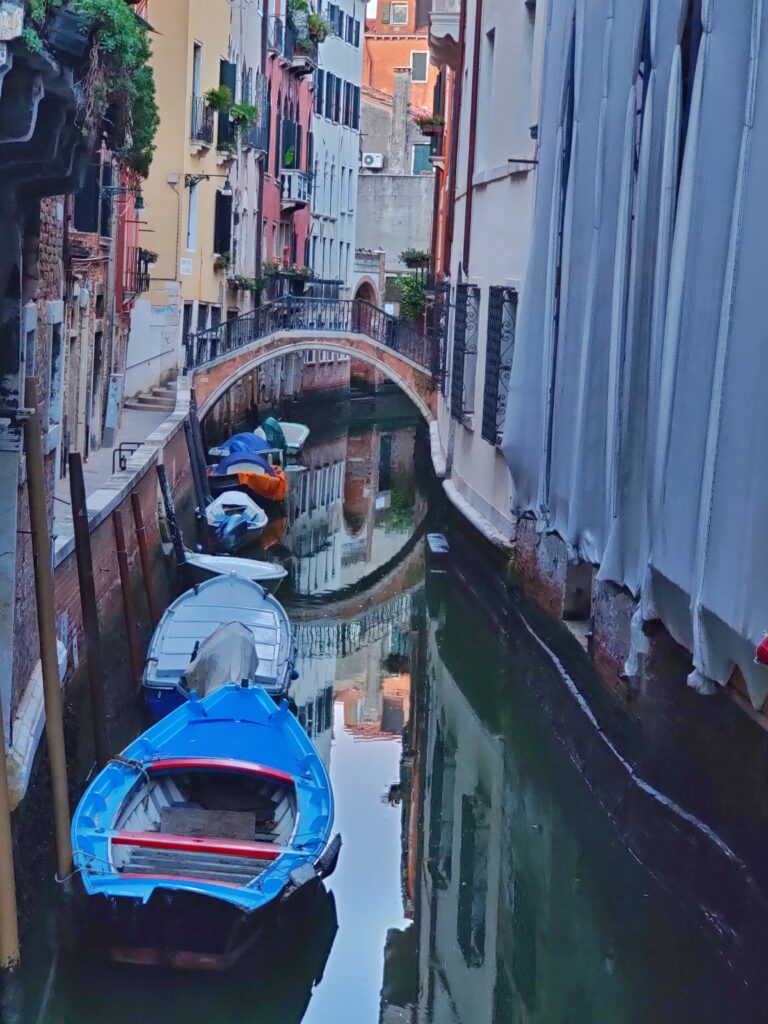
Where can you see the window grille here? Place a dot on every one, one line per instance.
(499, 349)
(464, 350)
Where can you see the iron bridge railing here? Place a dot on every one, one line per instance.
(308, 314)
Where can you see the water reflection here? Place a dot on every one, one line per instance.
(352, 508)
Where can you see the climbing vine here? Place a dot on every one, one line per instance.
(119, 85)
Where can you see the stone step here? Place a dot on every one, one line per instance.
(148, 402)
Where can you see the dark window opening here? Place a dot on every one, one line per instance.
(690, 45)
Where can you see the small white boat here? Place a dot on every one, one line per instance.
(236, 519)
(296, 435)
(204, 567)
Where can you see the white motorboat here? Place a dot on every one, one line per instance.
(204, 567)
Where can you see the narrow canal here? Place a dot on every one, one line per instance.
(481, 881)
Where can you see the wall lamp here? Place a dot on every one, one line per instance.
(113, 191)
(191, 180)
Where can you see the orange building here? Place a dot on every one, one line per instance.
(395, 38)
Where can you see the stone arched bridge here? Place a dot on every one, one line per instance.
(216, 359)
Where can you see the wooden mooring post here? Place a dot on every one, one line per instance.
(89, 607)
(146, 561)
(9, 924)
(129, 607)
(46, 626)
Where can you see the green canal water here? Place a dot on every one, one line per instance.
(481, 880)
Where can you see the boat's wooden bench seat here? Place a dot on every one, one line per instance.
(196, 844)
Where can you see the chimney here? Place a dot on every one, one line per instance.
(401, 94)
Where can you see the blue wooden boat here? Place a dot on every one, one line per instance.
(194, 617)
(235, 520)
(205, 832)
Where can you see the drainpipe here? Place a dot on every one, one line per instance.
(472, 129)
(453, 159)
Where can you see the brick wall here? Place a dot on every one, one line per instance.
(325, 376)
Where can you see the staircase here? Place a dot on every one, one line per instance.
(157, 399)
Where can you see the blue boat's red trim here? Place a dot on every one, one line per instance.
(195, 844)
(178, 764)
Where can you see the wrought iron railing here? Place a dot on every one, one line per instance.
(280, 37)
(307, 314)
(201, 127)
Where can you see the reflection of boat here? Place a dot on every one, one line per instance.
(191, 620)
(251, 470)
(294, 435)
(206, 831)
(236, 519)
(285, 976)
(204, 567)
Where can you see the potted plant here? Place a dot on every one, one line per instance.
(319, 29)
(222, 261)
(219, 99)
(414, 258)
(430, 124)
(273, 266)
(243, 115)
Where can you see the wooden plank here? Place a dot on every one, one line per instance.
(191, 844)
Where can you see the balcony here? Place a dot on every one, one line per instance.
(226, 137)
(295, 189)
(257, 137)
(304, 58)
(444, 18)
(201, 125)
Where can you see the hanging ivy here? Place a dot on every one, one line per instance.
(119, 85)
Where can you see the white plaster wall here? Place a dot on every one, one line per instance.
(500, 230)
(154, 343)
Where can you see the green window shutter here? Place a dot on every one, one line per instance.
(385, 11)
(228, 76)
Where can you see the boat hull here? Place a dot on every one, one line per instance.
(206, 569)
(189, 931)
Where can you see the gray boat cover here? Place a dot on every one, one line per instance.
(637, 400)
(228, 655)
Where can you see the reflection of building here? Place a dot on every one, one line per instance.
(379, 709)
(343, 524)
(312, 693)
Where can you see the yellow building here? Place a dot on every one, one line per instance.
(188, 192)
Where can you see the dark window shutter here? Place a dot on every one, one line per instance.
(87, 200)
(337, 108)
(228, 76)
(357, 32)
(329, 80)
(299, 147)
(385, 13)
(222, 229)
(319, 83)
(356, 119)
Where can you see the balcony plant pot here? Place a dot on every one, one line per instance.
(416, 264)
(69, 33)
(432, 130)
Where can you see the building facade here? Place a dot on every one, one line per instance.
(188, 194)
(336, 158)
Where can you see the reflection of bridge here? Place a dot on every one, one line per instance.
(337, 639)
(219, 357)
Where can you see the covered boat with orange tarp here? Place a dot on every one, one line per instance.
(253, 472)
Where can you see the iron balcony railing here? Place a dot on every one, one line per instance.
(257, 137)
(201, 128)
(308, 315)
(280, 37)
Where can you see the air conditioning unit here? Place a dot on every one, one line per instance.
(373, 161)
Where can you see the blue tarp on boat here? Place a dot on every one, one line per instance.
(242, 458)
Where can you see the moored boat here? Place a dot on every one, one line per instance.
(205, 832)
(191, 621)
(235, 519)
(252, 471)
(201, 567)
(294, 435)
